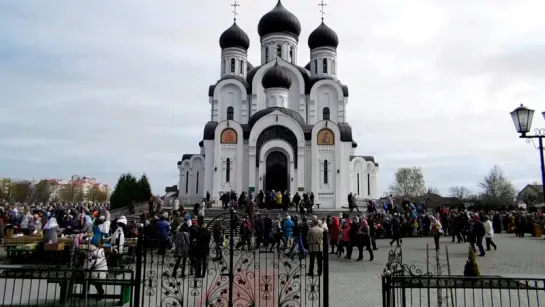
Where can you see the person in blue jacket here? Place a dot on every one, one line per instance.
(288, 230)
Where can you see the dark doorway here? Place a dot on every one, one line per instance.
(276, 172)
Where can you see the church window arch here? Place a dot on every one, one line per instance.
(186, 182)
(326, 164)
(292, 58)
(279, 51)
(228, 170)
(266, 54)
(324, 69)
(233, 64)
(241, 67)
(230, 113)
(325, 113)
(197, 184)
(316, 66)
(368, 184)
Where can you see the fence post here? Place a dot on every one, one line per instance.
(325, 281)
(138, 273)
(231, 252)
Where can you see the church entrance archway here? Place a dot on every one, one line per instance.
(276, 172)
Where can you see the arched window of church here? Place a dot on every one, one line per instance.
(291, 55)
(230, 113)
(358, 183)
(241, 67)
(186, 182)
(197, 184)
(233, 64)
(266, 54)
(325, 172)
(279, 51)
(228, 170)
(316, 66)
(325, 113)
(324, 69)
(368, 184)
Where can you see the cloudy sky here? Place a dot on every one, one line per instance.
(103, 87)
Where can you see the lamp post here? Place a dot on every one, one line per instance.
(522, 118)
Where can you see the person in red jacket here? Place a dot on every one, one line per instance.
(334, 229)
(345, 240)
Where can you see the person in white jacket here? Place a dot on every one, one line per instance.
(96, 268)
(489, 233)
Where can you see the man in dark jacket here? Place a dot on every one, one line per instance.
(202, 248)
(479, 232)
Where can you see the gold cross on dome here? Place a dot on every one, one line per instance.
(235, 5)
(322, 9)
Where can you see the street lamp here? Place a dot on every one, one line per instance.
(522, 118)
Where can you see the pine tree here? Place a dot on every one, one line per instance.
(144, 189)
(471, 268)
(126, 191)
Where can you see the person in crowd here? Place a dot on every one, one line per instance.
(96, 268)
(436, 230)
(363, 240)
(489, 233)
(315, 239)
(163, 233)
(202, 248)
(117, 240)
(182, 244)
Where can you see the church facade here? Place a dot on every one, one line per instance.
(279, 126)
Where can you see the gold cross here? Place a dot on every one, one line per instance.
(322, 5)
(235, 5)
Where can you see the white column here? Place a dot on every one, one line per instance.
(261, 175)
(300, 179)
(251, 176)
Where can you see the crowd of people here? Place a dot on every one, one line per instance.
(186, 235)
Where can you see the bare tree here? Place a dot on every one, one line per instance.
(460, 192)
(433, 190)
(409, 182)
(497, 189)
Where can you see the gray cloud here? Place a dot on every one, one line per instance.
(102, 88)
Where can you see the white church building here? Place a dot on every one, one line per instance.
(279, 126)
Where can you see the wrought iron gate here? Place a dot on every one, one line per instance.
(235, 274)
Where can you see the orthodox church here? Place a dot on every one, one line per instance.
(277, 125)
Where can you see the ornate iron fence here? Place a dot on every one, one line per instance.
(404, 286)
(238, 272)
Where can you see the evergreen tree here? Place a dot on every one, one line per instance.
(144, 189)
(126, 191)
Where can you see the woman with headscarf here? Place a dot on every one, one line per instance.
(51, 231)
(97, 267)
(335, 228)
(363, 240)
(118, 237)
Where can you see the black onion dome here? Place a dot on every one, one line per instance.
(279, 20)
(323, 36)
(234, 37)
(276, 76)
